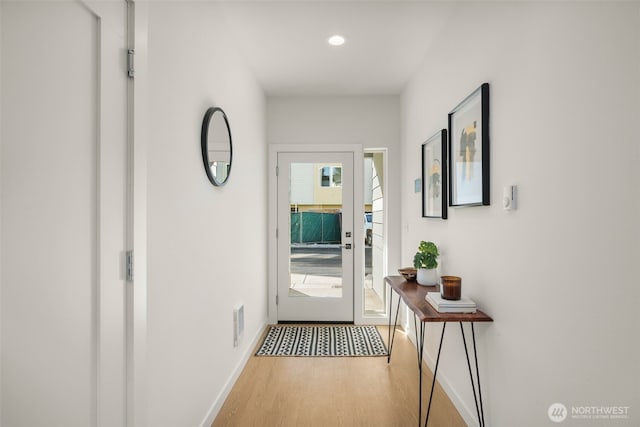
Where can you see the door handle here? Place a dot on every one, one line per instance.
(346, 246)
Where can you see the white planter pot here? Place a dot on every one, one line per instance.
(427, 276)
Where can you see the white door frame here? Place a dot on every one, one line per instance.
(138, 119)
(135, 21)
(358, 232)
(112, 123)
(382, 320)
(135, 356)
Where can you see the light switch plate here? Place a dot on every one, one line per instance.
(509, 197)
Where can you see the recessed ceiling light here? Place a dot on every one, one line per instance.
(336, 40)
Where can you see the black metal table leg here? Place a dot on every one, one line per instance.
(415, 329)
(475, 356)
(435, 371)
(395, 324)
(477, 397)
(420, 348)
(389, 330)
(473, 385)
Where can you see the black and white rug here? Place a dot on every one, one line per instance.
(322, 341)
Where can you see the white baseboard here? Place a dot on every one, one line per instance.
(222, 396)
(465, 412)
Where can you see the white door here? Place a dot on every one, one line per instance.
(63, 213)
(315, 236)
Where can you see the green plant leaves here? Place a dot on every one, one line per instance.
(427, 256)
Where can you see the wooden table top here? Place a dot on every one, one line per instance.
(413, 295)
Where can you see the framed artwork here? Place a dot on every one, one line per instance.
(469, 150)
(434, 176)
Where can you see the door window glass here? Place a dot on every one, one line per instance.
(315, 256)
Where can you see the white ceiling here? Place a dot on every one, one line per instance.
(285, 43)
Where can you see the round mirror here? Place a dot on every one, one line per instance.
(216, 146)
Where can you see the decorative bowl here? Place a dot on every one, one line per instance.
(409, 273)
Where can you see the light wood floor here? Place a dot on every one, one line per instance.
(335, 391)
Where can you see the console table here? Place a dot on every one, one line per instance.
(413, 296)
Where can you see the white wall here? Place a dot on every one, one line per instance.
(559, 275)
(206, 245)
(1, 37)
(371, 121)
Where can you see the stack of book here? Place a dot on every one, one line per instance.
(463, 305)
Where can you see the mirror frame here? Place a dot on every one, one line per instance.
(204, 140)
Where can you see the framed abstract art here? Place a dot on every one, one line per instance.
(434, 176)
(469, 150)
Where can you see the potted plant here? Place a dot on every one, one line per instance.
(426, 261)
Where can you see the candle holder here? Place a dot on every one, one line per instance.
(451, 287)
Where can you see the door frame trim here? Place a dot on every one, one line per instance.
(138, 142)
(361, 317)
(358, 232)
(112, 27)
(135, 321)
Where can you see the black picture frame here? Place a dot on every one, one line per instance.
(469, 139)
(434, 176)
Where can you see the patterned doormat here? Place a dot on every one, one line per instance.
(322, 341)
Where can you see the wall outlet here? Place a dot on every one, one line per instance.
(238, 324)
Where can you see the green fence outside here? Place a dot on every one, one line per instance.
(315, 227)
